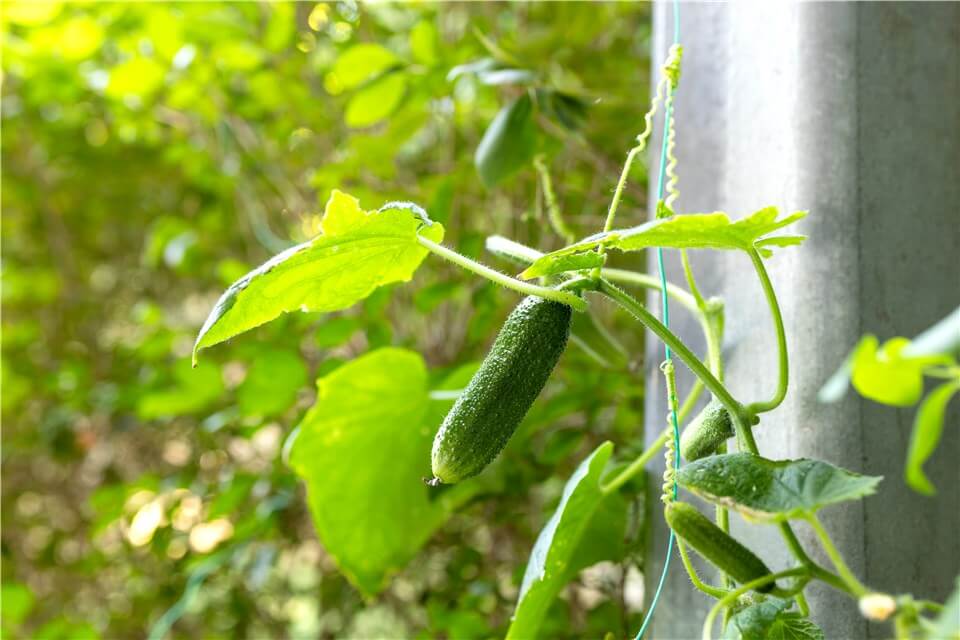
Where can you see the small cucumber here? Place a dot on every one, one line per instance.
(706, 432)
(501, 392)
(714, 544)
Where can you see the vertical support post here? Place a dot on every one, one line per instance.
(850, 111)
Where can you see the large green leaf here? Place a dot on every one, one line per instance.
(509, 142)
(927, 428)
(363, 450)
(357, 252)
(550, 561)
(771, 620)
(767, 490)
(688, 231)
(272, 382)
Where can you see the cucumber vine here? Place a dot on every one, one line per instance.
(359, 251)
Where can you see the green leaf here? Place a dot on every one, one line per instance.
(688, 231)
(886, 375)
(550, 560)
(424, 43)
(376, 101)
(772, 491)
(17, 600)
(363, 450)
(357, 252)
(770, 620)
(927, 428)
(272, 383)
(508, 144)
(564, 263)
(193, 390)
(360, 63)
(947, 624)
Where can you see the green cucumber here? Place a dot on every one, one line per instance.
(501, 392)
(716, 545)
(706, 432)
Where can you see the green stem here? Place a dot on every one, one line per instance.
(638, 464)
(783, 379)
(731, 597)
(632, 306)
(854, 585)
(524, 255)
(621, 183)
(710, 590)
(641, 461)
(691, 281)
(557, 222)
(501, 278)
(617, 196)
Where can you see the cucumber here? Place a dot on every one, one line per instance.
(714, 544)
(706, 432)
(501, 392)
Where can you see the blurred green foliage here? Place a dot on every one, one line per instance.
(152, 153)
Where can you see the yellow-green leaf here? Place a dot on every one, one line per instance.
(687, 231)
(927, 428)
(357, 252)
(362, 451)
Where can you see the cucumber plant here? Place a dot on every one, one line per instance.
(359, 251)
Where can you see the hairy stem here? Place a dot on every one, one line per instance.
(783, 377)
(854, 585)
(501, 278)
(557, 222)
(636, 309)
(710, 590)
(648, 454)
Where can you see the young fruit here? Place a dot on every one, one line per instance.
(714, 544)
(706, 432)
(501, 392)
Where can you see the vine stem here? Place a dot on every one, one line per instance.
(783, 378)
(709, 589)
(636, 309)
(641, 461)
(855, 586)
(503, 279)
(731, 597)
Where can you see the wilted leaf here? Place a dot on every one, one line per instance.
(550, 563)
(927, 428)
(508, 144)
(358, 252)
(767, 490)
(363, 450)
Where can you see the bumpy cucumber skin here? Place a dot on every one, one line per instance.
(501, 392)
(717, 546)
(706, 432)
